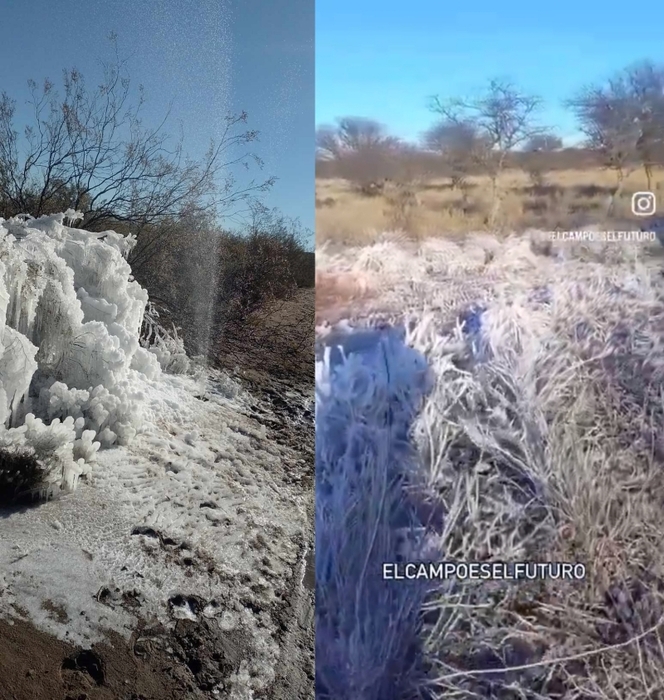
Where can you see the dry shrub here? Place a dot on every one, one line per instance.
(241, 299)
(21, 474)
(402, 202)
(370, 189)
(264, 313)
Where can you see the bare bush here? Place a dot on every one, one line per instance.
(371, 189)
(255, 316)
(88, 149)
(501, 119)
(458, 181)
(402, 203)
(360, 148)
(353, 135)
(458, 144)
(624, 121)
(536, 176)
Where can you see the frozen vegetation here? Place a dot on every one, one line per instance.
(160, 480)
(370, 387)
(539, 439)
(71, 365)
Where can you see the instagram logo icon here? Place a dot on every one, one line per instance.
(643, 204)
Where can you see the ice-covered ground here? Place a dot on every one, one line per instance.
(165, 497)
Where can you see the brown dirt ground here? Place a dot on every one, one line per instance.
(36, 666)
(338, 293)
(154, 664)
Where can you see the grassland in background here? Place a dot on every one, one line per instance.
(424, 207)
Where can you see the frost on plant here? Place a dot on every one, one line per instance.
(369, 391)
(71, 364)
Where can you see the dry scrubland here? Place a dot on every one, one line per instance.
(551, 448)
(104, 592)
(349, 212)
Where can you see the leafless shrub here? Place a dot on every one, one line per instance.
(458, 181)
(254, 312)
(623, 120)
(352, 135)
(360, 148)
(88, 149)
(536, 177)
(402, 203)
(457, 143)
(494, 124)
(371, 189)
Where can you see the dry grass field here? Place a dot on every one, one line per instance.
(541, 440)
(561, 199)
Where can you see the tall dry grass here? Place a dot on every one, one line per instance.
(563, 199)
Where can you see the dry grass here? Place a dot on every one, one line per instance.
(544, 442)
(565, 199)
(338, 293)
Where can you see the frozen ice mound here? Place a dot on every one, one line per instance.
(72, 366)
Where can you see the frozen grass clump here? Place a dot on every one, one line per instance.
(370, 387)
(20, 474)
(71, 363)
(166, 345)
(548, 451)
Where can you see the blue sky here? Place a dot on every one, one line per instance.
(205, 57)
(383, 59)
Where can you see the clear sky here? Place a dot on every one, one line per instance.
(382, 59)
(203, 57)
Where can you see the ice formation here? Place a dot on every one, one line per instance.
(71, 362)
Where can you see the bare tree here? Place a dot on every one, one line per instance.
(543, 143)
(361, 134)
(646, 82)
(503, 119)
(623, 120)
(90, 150)
(361, 147)
(328, 146)
(536, 161)
(459, 143)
